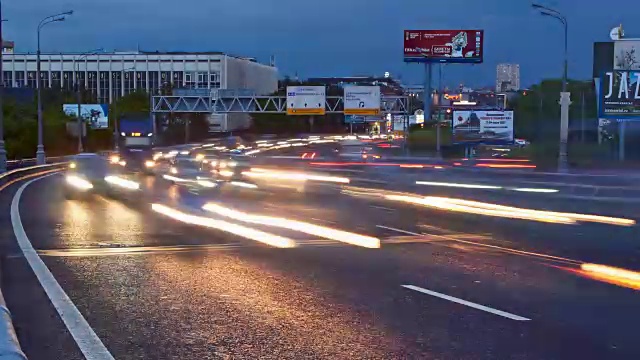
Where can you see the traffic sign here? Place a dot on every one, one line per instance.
(306, 100)
(361, 100)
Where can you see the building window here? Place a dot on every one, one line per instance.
(7, 79)
(154, 85)
(177, 79)
(80, 80)
(202, 80)
(104, 87)
(189, 80)
(20, 79)
(116, 85)
(165, 78)
(55, 79)
(129, 82)
(141, 81)
(31, 79)
(44, 79)
(214, 80)
(92, 83)
(67, 80)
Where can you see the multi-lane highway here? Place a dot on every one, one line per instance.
(240, 272)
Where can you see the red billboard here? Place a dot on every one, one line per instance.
(443, 46)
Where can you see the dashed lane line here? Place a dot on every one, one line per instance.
(467, 303)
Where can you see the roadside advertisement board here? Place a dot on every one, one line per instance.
(444, 46)
(361, 100)
(626, 55)
(306, 100)
(95, 115)
(620, 95)
(483, 127)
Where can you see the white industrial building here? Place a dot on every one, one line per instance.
(112, 75)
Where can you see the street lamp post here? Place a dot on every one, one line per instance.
(565, 97)
(40, 154)
(3, 152)
(79, 97)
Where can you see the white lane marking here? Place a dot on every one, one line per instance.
(399, 230)
(536, 190)
(89, 343)
(459, 185)
(382, 208)
(467, 303)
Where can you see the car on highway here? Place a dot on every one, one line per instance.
(90, 173)
(187, 170)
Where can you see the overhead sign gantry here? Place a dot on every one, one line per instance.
(239, 101)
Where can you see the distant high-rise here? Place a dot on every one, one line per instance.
(507, 77)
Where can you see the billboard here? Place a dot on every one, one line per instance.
(95, 115)
(306, 100)
(443, 46)
(361, 100)
(482, 127)
(626, 55)
(620, 95)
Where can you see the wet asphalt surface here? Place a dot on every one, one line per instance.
(155, 288)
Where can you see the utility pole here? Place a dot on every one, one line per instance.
(3, 152)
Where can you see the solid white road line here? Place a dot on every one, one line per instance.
(467, 303)
(91, 346)
(399, 230)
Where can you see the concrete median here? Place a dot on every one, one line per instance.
(9, 345)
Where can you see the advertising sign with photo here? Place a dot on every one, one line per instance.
(94, 115)
(444, 46)
(482, 127)
(620, 95)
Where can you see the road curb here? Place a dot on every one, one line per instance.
(9, 345)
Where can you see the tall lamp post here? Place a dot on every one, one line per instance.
(3, 152)
(565, 97)
(40, 155)
(78, 95)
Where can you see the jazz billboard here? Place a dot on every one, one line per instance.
(482, 127)
(620, 95)
(444, 46)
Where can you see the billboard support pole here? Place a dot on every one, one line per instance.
(621, 127)
(565, 101)
(428, 67)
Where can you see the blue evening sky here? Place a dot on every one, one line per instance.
(330, 37)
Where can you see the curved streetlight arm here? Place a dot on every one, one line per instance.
(53, 18)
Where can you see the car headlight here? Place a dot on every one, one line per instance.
(122, 163)
(149, 163)
(78, 182)
(150, 134)
(114, 159)
(173, 170)
(72, 165)
(232, 164)
(123, 134)
(199, 156)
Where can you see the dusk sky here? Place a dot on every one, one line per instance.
(330, 37)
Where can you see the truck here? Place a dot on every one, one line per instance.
(135, 143)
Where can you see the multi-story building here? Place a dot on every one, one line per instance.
(108, 76)
(507, 77)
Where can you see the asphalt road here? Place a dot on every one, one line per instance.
(443, 285)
